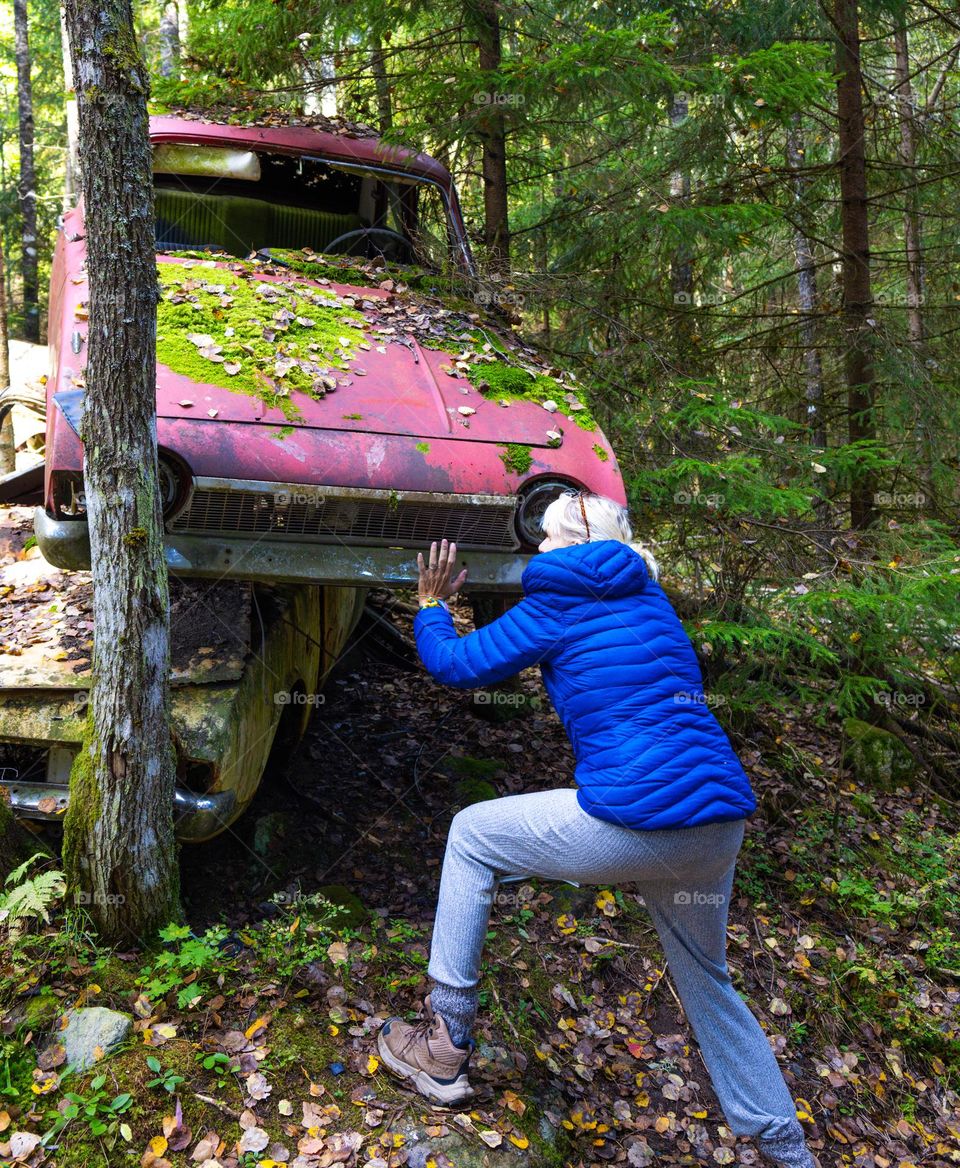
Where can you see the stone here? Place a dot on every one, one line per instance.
(89, 1028)
(37, 1013)
(353, 911)
(877, 757)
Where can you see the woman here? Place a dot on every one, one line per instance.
(661, 803)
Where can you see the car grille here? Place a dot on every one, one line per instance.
(341, 515)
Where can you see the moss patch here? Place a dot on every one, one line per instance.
(500, 382)
(517, 458)
(254, 336)
(270, 337)
(600, 452)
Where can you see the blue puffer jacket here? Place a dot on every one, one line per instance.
(623, 677)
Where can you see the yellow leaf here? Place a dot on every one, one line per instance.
(255, 1026)
(520, 1142)
(158, 1145)
(372, 1063)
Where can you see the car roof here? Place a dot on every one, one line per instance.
(332, 138)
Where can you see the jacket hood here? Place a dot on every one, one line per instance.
(595, 571)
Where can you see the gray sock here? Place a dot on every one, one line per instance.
(789, 1148)
(457, 1007)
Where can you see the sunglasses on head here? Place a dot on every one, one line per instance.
(583, 512)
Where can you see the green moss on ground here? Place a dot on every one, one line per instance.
(269, 338)
(466, 767)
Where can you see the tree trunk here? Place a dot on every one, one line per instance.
(71, 176)
(378, 67)
(493, 138)
(807, 296)
(857, 296)
(913, 247)
(27, 189)
(7, 449)
(169, 41)
(119, 845)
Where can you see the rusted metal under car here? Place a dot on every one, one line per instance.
(243, 658)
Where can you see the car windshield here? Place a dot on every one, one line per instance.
(241, 201)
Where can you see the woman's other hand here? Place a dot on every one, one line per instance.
(436, 580)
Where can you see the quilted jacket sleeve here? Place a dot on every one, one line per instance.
(524, 635)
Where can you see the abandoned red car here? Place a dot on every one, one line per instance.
(331, 394)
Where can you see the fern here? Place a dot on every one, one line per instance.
(31, 899)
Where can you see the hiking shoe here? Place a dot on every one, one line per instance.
(424, 1053)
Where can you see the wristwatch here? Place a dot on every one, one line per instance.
(433, 602)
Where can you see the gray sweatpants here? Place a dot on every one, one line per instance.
(685, 876)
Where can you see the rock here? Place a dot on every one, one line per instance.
(877, 757)
(354, 911)
(89, 1028)
(37, 1013)
(465, 1151)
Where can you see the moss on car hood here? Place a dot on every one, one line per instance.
(290, 322)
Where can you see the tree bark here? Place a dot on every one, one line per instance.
(7, 449)
(485, 16)
(857, 295)
(71, 175)
(119, 845)
(27, 188)
(913, 246)
(378, 67)
(807, 297)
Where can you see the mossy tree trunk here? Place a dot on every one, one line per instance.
(119, 846)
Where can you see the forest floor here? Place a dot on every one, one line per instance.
(254, 1034)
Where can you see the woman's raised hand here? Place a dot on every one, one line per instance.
(436, 578)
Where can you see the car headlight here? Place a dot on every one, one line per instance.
(175, 481)
(69, 500)
(534, 500)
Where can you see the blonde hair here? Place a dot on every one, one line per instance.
(563, 519)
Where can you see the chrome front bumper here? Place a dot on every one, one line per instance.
(65, 543)
(196, 817)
